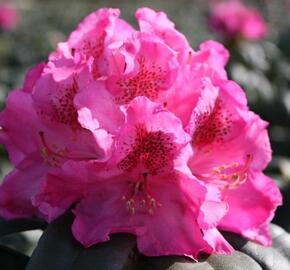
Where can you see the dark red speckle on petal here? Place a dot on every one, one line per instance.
(154, 149)
(147, 82)
(212, 127)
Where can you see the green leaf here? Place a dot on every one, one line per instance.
(237, 260)
(58, 250)
(281, 240)
(172, 263)
(269, 258)
(19, 225)
(11, 259)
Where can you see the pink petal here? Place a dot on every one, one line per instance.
(218, 243)
(158, 24)
(55, 104)
(150, 69)
(104, 212)
(20, 186)
(95, 105)
(61, 188)
(213, 54)
(233, 18)
(32, 76)
(251, 208)
(19, 109)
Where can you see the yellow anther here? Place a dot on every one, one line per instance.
(143, 203)
(235, 176)
(217, 170)
(189, 60)
(235, 165)
(223, 176)
(152, 202)
(44, 152)
(140, 199)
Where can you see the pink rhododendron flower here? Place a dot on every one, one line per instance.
(231, 149)
(234, 19)
(145, 183)
(136, 132)
(50, 134)
(9, 17)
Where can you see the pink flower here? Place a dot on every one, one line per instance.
(150, 69)
(158, 24)
(50, 132)
(233, 19)
(208, 63)
(146, 182)
(9, 17)
(89, 42)
(133, 129)
(231, 149)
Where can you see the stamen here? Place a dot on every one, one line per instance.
(49, 154)
(50, 157)
(141, 200)
(189, 60)
(232, 175)
(47, 150)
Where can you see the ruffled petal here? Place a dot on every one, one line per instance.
(19, 109)
(158, 24)
(61, 188)
(251, 208)
(20, 186)
(104, 212)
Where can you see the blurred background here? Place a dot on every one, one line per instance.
(261, 66)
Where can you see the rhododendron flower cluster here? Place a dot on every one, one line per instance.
(234, 19)
(136, 132)
(8, 17)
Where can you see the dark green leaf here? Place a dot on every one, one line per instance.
(113, 255)
(281, 240)
(11, 259)
(268, 257)
(19, 225)
(172, 263)
(58, 250)
(237, 261)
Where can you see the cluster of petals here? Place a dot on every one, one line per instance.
(233, 19)
(135, 132)
(9, 17)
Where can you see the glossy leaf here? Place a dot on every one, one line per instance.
(11, 259)
(19, 225)
(58, 250)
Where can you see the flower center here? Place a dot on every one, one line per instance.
(54, 156)
(140, 199)
(153, 151)
(229, 176)
(50, 156)
(212, 126)
(147, 82)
